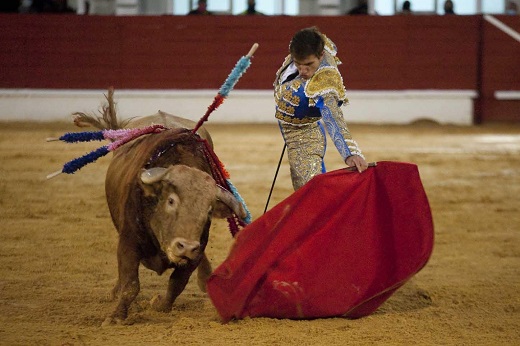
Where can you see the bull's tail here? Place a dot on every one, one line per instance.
(107, 120)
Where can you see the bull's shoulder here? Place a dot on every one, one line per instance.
(169, 147)
(162, 118)
(170, 121)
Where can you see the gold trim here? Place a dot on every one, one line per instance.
(293, 120)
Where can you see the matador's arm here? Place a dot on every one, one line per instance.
(337, 127)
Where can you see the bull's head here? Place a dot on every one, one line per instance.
(186, 199)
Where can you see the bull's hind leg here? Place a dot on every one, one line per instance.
(128, 282)
(176, 284)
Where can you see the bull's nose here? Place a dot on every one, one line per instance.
(181, 247)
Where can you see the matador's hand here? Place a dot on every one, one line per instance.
(358, 162)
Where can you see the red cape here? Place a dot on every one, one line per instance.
(339, 246)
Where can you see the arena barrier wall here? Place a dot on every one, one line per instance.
(242, 106)
(396, 69)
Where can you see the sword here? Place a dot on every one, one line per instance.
(275, 175)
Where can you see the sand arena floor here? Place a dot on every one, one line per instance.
(58, 245)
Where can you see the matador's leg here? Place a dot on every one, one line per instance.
(306, 146)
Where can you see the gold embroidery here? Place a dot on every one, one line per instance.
(285, 108)
(289, 97)
(330, 47)
(326, 80)
(287, 118)
(305, 151)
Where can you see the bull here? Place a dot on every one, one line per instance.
(162, 198)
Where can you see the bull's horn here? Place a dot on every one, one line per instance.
(228, 199)
(152, 175)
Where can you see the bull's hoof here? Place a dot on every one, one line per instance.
(117, 321)
(118, 317)
(111, 321)
(159, 304)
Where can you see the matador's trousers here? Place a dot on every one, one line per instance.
(306, 145)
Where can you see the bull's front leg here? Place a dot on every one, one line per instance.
(128, 281)
(176, 284)
(204, 272)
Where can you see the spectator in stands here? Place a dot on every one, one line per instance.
(10, 6)
(201, 9)
(61, 6)
(251, 10)
(49, 6)
(309, 93)
(512, 8)
(361, 8)
(407, 8)
(449, 7)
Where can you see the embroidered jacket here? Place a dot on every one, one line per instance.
(300, 102)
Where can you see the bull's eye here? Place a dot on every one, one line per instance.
(172, 203)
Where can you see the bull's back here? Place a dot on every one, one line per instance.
(170, 121)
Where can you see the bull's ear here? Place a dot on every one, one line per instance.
(227, 204)
(153, 175)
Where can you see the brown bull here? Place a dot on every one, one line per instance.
(161, 197)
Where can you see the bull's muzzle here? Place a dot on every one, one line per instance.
(182, 250)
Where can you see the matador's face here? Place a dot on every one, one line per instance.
(308, 66)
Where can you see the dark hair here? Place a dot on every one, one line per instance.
(306, 42)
